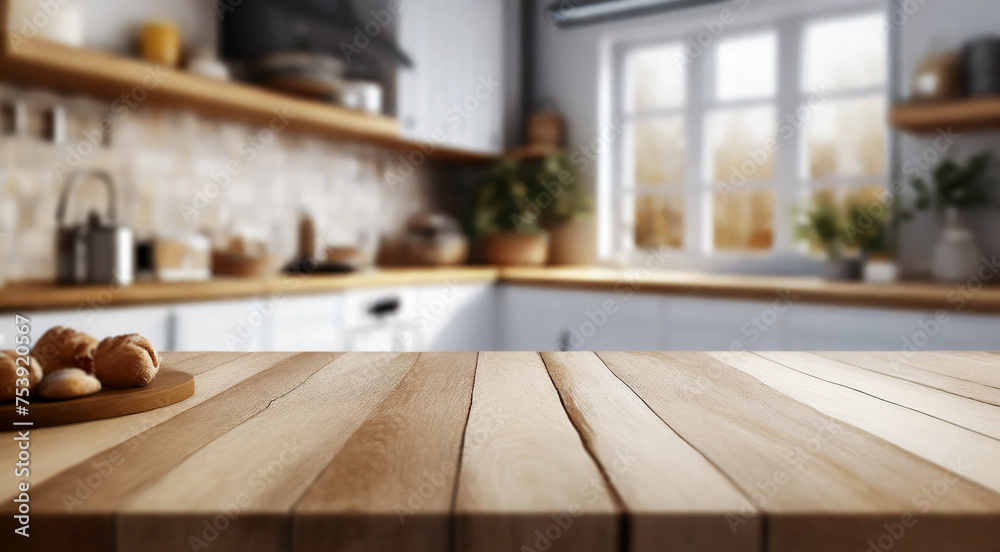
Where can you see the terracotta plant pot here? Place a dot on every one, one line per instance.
(574, 242)
(513, 249)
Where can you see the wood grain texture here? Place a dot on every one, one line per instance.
(57, 448)
(529, 482)
(936, 380)
(169, 387)
(970, 414)
(947, 445)
(975, 367)
(824, 485)
(391, 485)
(76, 508)
(684, 504)
(281, 450)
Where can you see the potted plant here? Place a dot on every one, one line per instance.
(515, 204)
(849, 236)
(955, 187)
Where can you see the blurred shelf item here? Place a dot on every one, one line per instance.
(77, 70)
(961, 114)
(533, 151)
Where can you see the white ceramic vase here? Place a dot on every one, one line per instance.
(956, 255)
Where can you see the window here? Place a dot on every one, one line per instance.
(721, 147)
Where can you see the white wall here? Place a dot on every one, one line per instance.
(945, 24)
(568, 72)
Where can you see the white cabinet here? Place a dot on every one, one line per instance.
(453, 94)
(548, 319)
(690, 324)
(152, 322)
(223, 325)
(307, 323)
(456, 318)
(830, 328)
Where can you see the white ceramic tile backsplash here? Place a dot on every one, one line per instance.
(178, 172)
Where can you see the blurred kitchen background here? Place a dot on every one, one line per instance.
(504, 174)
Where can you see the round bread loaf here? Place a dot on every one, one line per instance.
(126, 361)
(68, 383)
(9, 375)
(63, 347)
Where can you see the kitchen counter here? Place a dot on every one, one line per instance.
(904, 295)
(580, 451)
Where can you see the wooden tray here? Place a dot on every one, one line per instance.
(169, 387)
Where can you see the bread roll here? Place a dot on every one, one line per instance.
(68, 383)
(126, 361)
(9, 376)
(63, 347)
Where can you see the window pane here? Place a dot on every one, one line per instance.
(845, 53)
(746, 67)
(659, 221)
(744, 220)
(655, 77)
(847, 138)
(741, 144)
(658, 150)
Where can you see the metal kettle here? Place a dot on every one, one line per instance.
(98, 251)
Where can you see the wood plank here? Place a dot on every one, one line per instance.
(825, 486)
(981, 368)
(531, 483)
(980, 417)
(75, 509)
(972, 455)
(955, 386)
(674, 497)
(57, 448)
(281, 451)
(39, 62)
(932, 117)
(391, 485)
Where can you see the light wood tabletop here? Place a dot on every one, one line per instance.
(578, 451)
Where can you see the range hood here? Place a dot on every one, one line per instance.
(575, 13)
(257, 28)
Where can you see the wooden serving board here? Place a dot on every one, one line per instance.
(169, 387)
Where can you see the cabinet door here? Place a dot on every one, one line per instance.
(224, 325)
(456, 318)
(453, 94)
(308, 323)
(546, 319)
(151, 322)
(724, 325)
(829, 328)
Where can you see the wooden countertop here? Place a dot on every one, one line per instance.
(903, 295)
(605, 452)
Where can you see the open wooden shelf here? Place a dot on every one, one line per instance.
(75, 70)
(964, 114)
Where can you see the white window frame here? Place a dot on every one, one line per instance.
(788, 21)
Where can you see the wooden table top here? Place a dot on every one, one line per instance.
(592, 452)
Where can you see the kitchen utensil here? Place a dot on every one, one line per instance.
(160, 43)
(981, 66)
(433, 240)
(169, 387)
(98, 252)
(185, 257)
(937, 77)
